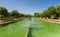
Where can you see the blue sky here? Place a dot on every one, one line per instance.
(28, 6)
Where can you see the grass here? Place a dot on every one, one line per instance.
(45, 29)
(17, 29)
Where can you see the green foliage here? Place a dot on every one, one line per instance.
(46, 13)
(5, 15)
(15, 14)
(52, 9)
(3, 11)
(58, 9)
(51, 12)
(37, 14)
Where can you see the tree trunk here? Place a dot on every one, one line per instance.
(59, 16)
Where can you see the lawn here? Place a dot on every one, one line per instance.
(17, 29)
(45, 29)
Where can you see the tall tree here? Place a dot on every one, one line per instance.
(58, 10)
(37, 14)
(4, 11)
(15, 14)
(53, 12)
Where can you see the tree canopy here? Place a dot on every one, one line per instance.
(50, 12)
(3, 11)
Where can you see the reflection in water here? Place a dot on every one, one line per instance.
(38, 24)
(30, 32)
(32, 23)
(30, 27)
(34, 26)
(0, 26)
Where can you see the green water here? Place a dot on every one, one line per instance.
(45, 29)
(17, 29)
(40, 29)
